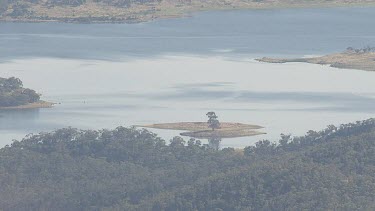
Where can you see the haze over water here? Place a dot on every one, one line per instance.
(106, 75)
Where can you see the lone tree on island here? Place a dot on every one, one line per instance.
(213, 122)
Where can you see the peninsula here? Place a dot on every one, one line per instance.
(360, 59)
(14, 96)
(131, 11)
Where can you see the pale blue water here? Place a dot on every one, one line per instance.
(248, 32)
(107, 75)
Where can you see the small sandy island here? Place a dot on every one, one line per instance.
(39, 104)
(360, 59)
(201, 129)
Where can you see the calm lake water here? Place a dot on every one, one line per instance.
(106, 75)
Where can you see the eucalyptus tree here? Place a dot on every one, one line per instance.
(213, 122)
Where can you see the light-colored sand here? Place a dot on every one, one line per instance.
(40, 104)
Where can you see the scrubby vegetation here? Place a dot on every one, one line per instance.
(3, 6)
(129, 11)
(367, 49)
(129, 169)
(351, 58)
(12, 93)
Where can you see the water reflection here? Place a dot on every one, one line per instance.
(214, 142)
(24, 118)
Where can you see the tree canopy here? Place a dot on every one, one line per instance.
(213, 122)
(130, 169)
(12, 93)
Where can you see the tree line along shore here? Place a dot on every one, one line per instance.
(14, 96)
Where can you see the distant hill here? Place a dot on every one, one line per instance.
(127, 11)
(129, 169)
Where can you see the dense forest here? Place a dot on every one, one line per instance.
(12, 93)
(130, 169)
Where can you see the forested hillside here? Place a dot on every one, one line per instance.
(129, 169)
(12, 93)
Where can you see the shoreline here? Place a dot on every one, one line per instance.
(184, 11)
(197, 126)
(201, 129)
(36, 105)
(344, 60)
(207, 134)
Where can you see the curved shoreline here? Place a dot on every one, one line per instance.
(222, 133)
(143, 13)
(40, 104)
(197, 126)
(201, 130)
(344, 60)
